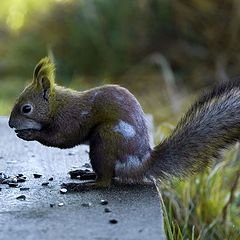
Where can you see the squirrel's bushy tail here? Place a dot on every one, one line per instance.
(210, 125)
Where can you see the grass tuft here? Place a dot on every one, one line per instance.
(207, 206)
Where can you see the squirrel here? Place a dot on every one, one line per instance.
(111, 119)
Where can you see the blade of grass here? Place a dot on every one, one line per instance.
(165, 213)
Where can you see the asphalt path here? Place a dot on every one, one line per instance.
(133, 211)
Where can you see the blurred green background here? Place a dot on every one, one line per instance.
(162, 50)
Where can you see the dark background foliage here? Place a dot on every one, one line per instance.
(164, 51)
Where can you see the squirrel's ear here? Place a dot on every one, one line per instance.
(44, 74)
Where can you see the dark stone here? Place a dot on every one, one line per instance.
(107, 210)
(45, 183)
(3, 178)
(86, 204)
(12, 180)
(5, 181)
(36, 175)
(11, 184)
(104, 202)
(21, 179)
(76, 173)
(21, 197)
(24, 188)
(113, 221)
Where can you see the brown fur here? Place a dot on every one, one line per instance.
(112, 121)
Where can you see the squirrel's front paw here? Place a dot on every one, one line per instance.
(28, 134)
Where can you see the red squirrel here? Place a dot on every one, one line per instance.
(111, 119)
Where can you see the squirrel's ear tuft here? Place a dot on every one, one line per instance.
(44, 73)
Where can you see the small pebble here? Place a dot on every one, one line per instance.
(104, 202)
(86, 204)
(6, 181)
(63, 190)
(45, 183)
(21, 179)
(24, 188)
(3, 177)
(60, 204)
(11, 162)
(36, 175)
(113, 221)
(11, 184)
(50, 179)
(76, 173)
(0, 189)
(21, 197)
(13, 180)
(71, 154)
(107, 210)
(20, 175)
(52, 204)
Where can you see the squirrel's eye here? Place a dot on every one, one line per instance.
(27, 108)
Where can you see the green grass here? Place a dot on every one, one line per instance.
(201, 207)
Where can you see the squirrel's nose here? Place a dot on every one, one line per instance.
(10, 122)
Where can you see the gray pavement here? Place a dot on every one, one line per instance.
(136, 208)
